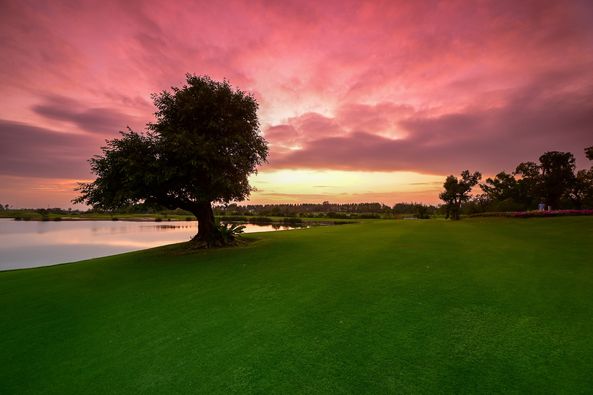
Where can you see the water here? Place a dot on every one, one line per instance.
(25, 244)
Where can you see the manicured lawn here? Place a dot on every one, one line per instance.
(482, 306)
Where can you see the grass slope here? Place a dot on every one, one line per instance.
(481, 305)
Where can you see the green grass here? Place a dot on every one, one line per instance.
(32, 215)
(479, 306)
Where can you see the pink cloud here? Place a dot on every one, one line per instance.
(106, 121)
(30, 151)
(376, 118)
(533, 121)
(428, 86)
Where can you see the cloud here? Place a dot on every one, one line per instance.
(426, 86)
(103, 121)
(300, 130)
(283, 135)
(378, 118)
(533, 121)
(31, 151)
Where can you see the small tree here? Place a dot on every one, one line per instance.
(457, 191)
(421, 211)
(201, 149)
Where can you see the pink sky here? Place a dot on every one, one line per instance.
(345, 89)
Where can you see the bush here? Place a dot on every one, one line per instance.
(506, 205)
(230, 232)
(333, 214)
(260, 220)
(236, 218)
(421, 212)
(368, 216)
(292, 221)
(534, 214)
(553, 213)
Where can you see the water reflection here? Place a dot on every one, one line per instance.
(25, 244)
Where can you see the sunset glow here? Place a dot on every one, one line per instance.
(359, 101)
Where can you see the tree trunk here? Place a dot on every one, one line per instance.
(208, 234)
(456, 210)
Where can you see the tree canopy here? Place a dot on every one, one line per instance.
(589, 152)
(201, 149)
(557, 175)
(457, 191)
(552, 181)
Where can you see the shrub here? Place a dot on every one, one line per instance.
(534, 214)
(236, 218)
(260, 220)
(368, 216)
(553, 213)
(333, 214)
(230, 232)
(421, 211)
(292, 221)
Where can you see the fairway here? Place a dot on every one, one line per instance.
(478, 305)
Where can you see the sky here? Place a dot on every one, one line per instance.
(360, 101)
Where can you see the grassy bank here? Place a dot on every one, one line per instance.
(31, 215)
(481, 305)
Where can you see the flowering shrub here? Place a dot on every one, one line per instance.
(533, 214)
(552, 213)
(492, 214)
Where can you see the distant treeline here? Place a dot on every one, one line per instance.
(553, 183)
(305, 210)
(328, 210)
(38, 213)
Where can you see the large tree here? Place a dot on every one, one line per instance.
(457, 191)
(581, 191)
(557, 176)
(529, 191)
(503, 186)
(201, 149)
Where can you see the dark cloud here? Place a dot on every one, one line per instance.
(93, 120)
(30, 151)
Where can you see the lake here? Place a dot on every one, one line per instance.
(26, 244)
